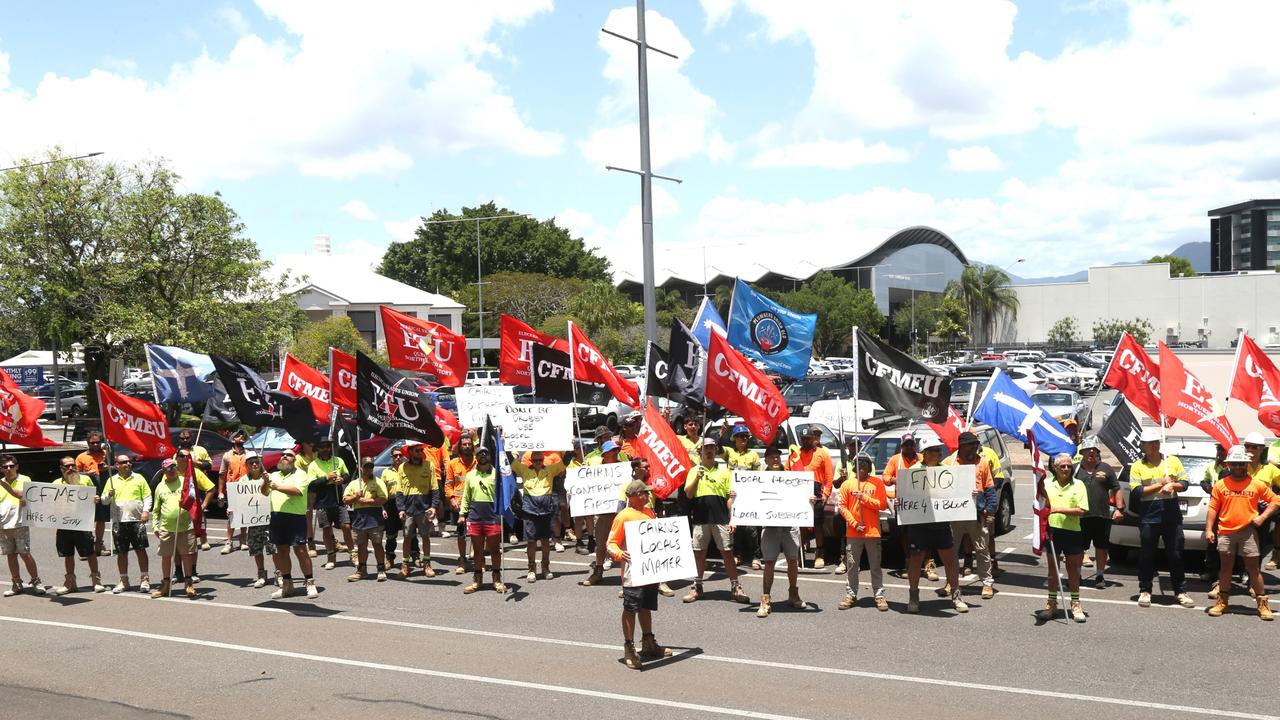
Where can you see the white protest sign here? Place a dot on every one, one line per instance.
(661, 550)
(830, 412)
(772, 499)
(476, 401)
(538, 427)
(65, 507)
(595, 489)
(936, 494)
(246, 505)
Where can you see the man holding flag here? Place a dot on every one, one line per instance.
(174, 523)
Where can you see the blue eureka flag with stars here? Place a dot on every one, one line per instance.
(761, 328)
(179, 374)
(1007, 408)
(707, 320)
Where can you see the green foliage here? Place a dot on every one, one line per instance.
(1106, 333)
(988, 296)
(600, 305)
(840, 306)
(442, 257)
(313, 343)
(670, 304)
(1178, 266)
(1064, 332)
(936, 316)
(528, 296)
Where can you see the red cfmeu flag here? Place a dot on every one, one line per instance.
(668, 460)
(342, 379)
(20, 416)
(1183, 397)
(515, 350)
(590, 365)
(190, 502)
(736, 384)
(1137, 377)
(949, 431)
(299, 379)
(1255, 381)
(134, 423)
(414, 344)
(449, 425)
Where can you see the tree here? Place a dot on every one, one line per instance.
(313, 343)
(442, 256)
(839, 306)
(600, 306)
(936, 316)
(1178, 266)
(670, 304)
(1064, 332)
(1107, 333)
(989, 297)
(527, 296)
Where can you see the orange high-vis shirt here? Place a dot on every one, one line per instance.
(1236, 502)
(817, 461)
(87, 462)
(455, 478)
(549, 457)
(982, 477)
(896, 464)
(864, 510)
(618, 531)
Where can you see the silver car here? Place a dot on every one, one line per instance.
(1064, 405)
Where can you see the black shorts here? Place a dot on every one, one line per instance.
(79, 542)
(635, 599)
(287, 529)
(927, 537)
(1068, 542)
(101, 513)
(1097, 531)
(537, 527)
(128, 536)
(333, 516)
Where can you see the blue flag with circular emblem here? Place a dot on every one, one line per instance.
(761, 328)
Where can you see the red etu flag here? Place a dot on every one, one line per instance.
(191, 502)
(425, 346)
(299, 379)
(736, 384)
(590, 365)
(1254, 381)
(20, 416)
(342, 379)
(949, 431)
(1182, 396)
(134, 423)
(514, 351)
(668, 460)
(1137, 377)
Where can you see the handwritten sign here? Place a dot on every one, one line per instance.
(476, 401)
(595, 489)
(936, 494)
(538, 427)
(661, 550)
(65, 507)
(772, 499)
(246, 505)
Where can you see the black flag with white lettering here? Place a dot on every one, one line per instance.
(392, 405)
(255, 403)
(1120, 434)
(300, 421)
(552, 375)
(218, 407)
(657, 372)
(687, 363)
(899, 382)
(342, 433)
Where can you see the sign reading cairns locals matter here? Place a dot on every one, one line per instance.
(538, 427)
(772, 499)
(65, 507)
(943, 493)
(476, 401)
(661, 550)
(246, 505)
(595, 489)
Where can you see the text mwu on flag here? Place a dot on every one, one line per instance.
(736, 384)
(425, 346)
(775, 335)
(392, 406)
(515, 350)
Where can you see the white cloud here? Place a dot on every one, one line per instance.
(973, 158)
(344, 93)
(234, 20)
(359, 210)
(832, 154)
(621, 241)
(402, 230)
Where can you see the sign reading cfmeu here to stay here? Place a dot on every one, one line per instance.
(943, 493)
(65, 507)
(661, 550)
(246, 504)
(772, 498)
(595, 489)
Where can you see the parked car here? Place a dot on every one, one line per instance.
(68, 387)
(630, 371)
(1064, 405)
(74, 403)
(482, 376)
(965, 387)
(1064, 376)
(802, 394)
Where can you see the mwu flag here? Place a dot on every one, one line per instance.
(179, 375)
(590, 365)
(774, 335)
(134, 423)
(898, 382)
(255, 403)
(516, 350)
(393, 406)
(1184, 397)
(20, 416)
(425, 346)
(736, 384)
(1255, 382)
(1007, 408)
(1137, 377)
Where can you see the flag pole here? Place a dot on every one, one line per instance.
(857, 425)
(1235, 366)
(573, 383)
(1102, 381)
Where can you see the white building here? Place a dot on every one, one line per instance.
(1211, 308)
(342, 285)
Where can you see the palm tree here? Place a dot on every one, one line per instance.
(987, 293)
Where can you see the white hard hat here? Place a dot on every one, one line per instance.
(929, 442)
(1255, 438)
(1150, 435)
(1237, 453)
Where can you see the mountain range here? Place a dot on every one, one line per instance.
(1196, 252)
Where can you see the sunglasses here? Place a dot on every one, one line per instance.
(123, 462)
(287, 455)
(9, 466)
(68, 467)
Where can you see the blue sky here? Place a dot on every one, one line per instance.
(1066, 133)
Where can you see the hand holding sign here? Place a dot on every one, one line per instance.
(943, 493)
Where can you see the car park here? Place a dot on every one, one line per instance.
(483, 376)
(802, 394)
(1064, 405)
(74, 404)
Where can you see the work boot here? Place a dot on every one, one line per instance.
(311, 548)
(191, 590)
(356, 576)
(498, 586)
(98, 587)
(959, 604)
(144, 586)
(1219, 605)
(737, 595)
(913, 601)
(404, 570)
(629, 656)
(651, 650)
(121, 586)
(819, 563)
(285, 589)
(1274, 562)
(988, 592)
(931, 570)
(793, 598)
(882, 604)
(841, 569)
(763, 612)
(38, 586)
(476, 579)
(1049, 612)
(1264, 608)
(532, 574)
(694, 594)
(596, 576)
(848, 601)
(1077, 611)
(312, 591)
(68, 586)
(1213, 591)
(462, 567)
(163, 590)
(546, 571)
(943, 591)
(331, 561)
(665, 590)
(14, 589)
(427, 570)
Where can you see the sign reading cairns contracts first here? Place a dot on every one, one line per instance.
(595, 489)
(134, 423)
(425, 346)
(899, 382)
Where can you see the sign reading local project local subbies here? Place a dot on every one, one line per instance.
(64, 507)
(246, 504)
(595, 489)
(943, 493)
(770, 498)
(477, 401)
(538, 427)
(661, 550)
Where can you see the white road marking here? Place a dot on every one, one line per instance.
(888, 677)
(482, 679)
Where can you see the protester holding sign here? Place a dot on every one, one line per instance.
(610, 454)
(812, 457)
(93, 462)
(737, 456)
(708, 487)
(924, 538)
(257, 537)
(779, 540)
(129, 496)
(287, 487)
(70, 543)
(484, 522)
(639, 601)
(984, 495)
(366, 495)
(862, 497)
(1068, 501)
(540, 508)
(15, 536)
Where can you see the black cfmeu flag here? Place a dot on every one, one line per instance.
(255, 403)
(1120, 434)
(391, 405)
(687, 363)
(553, 379)
(899, 382)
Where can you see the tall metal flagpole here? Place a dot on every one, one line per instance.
(1101, 380)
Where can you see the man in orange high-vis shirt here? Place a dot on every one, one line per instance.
(639, 600)
(862, 497)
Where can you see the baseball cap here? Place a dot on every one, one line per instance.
(636, 487)
(603, 430)
(1090, 443)
(483, 450)
(908, 437)
(708, 442)
(967, 438)
(608, 446)
(251, 456)
(168, 463)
